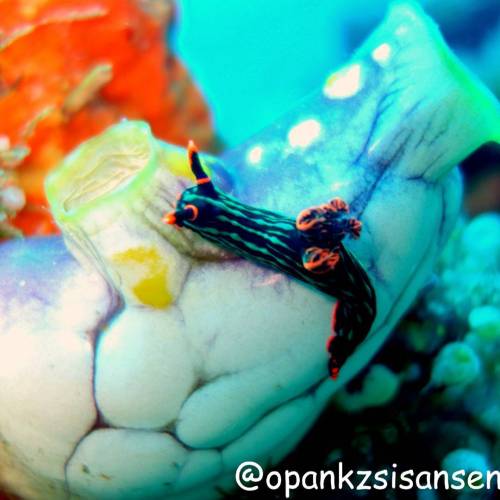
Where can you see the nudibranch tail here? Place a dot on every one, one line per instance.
(308, 248)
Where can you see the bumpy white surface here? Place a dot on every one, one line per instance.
(112, 399)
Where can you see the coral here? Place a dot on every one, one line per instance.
(484, 321)
(455, 364)
(380, 386)
(70, 69)
(469, 269)
(467, 459)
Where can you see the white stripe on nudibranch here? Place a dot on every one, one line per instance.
(304, 133)
(382, 54)
(254, 155)
(343, 83)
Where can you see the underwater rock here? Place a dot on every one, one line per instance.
(58, 87)
(148, 362)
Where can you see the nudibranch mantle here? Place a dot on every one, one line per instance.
(117, 395)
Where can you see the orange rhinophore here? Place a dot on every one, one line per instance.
(69, 69)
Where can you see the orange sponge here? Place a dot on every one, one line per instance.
(69, 69)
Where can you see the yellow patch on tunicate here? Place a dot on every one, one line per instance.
(144, 271)
(344, 83)
(177, 163)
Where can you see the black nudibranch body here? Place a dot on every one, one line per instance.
(308, 248)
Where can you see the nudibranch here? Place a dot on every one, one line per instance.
(308, 248)
(139, 360)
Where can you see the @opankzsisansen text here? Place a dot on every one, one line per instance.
(250, 476)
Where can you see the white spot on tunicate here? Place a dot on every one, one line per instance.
(254, 155)
(22, 283)
(401, 30)
(343, 83)
(382, 54)
(338, 185)
(304, 133)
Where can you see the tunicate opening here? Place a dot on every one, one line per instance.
(101, 166)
